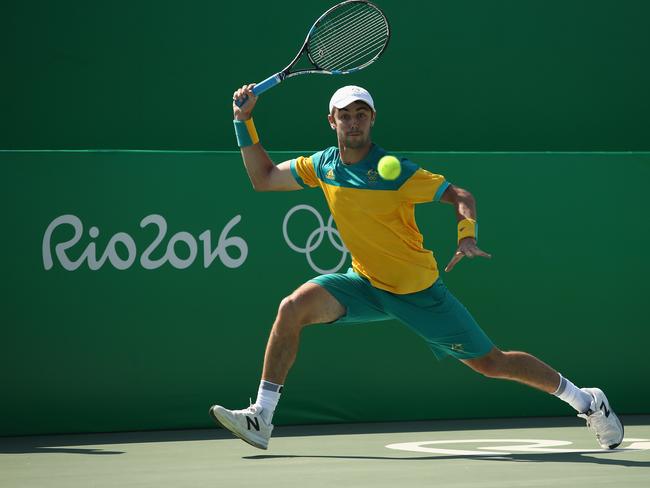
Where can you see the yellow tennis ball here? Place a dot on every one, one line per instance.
(389, 168)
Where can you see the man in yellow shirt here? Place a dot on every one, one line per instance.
(392, 275)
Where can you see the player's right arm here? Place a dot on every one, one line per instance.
(264, 174)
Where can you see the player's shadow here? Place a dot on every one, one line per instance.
(26, 448)
(84, 443)
(569, 457)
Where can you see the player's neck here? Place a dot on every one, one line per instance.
(351, 155)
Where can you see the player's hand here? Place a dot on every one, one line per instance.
(466, 247)
(244, 112)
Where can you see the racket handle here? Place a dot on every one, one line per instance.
(261, 87)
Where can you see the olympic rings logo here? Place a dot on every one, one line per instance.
(316, 238)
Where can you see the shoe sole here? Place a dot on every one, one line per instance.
(231, 428)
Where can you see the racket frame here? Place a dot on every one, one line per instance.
(280, 76)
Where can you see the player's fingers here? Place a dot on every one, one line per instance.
(240, 92)
(243, 97)
(470, 253)
(454, 261)
(475, 251)
(249, 92)
(457, 257)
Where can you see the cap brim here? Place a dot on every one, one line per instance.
(351, 99)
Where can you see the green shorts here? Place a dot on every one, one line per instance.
(434, 313)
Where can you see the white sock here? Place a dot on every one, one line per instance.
(574, 396)
(268, 396)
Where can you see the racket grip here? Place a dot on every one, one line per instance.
(261, 87)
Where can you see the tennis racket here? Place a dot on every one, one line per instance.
(348, 37)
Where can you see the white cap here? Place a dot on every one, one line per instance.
(348, 94)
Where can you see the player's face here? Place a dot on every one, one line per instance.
(353, 124)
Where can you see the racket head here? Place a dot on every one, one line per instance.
(348, 37)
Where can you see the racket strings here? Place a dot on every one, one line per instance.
(330, 32)
(326, 35)
(349, 39)
(343, 17)
(352, 33)
(345, 59)
(361, 45)
(368, 47)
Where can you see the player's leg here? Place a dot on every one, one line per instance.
(590, 403)
(450, 329)
(309, 304)
(527, 369)
(517, 366)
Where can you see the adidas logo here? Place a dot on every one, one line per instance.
(330, 174)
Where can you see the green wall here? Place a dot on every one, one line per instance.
(107, 349)
(458, 75)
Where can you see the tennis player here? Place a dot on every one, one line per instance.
(392, 275)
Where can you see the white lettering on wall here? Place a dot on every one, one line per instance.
(128, 245)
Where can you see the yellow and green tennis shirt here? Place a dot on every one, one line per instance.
(375, 217)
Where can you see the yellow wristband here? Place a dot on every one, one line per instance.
(246, 132)
(252, 131)
(467, 228)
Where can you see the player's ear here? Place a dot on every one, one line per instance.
(332, 121)
(372, 121)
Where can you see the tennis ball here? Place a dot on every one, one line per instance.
(389, 168)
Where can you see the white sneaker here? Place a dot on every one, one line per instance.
(602, 420)
(247, 424)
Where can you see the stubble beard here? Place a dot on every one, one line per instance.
(355, 142)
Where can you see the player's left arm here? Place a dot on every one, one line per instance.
(465, 206)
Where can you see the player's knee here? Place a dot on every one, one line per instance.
(491, 365)
(292, 312)
(491, 369)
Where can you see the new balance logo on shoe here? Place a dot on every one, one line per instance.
(246, 424)
(603, 407)
(603, 421)
(256, 423)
